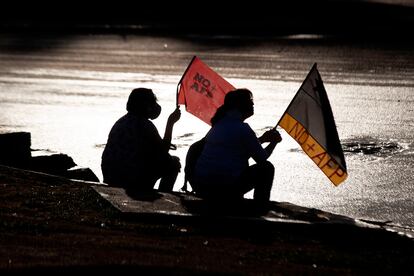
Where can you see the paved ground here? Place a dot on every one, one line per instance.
(184, 205)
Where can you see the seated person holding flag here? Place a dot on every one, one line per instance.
(222, 170)
(135, 156)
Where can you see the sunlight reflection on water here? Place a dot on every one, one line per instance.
(72, 111)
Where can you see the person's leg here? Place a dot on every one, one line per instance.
(264, 185)
(167, 182)
(137, 187)
(169, 175)
(260, 178)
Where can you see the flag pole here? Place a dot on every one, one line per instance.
(307, 76)
(176, 97)
(182, 77)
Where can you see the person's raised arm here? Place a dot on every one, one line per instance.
(172, 119)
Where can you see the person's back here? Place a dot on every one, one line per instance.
(135, 155)
(133, 147)
(222, 170)
(229, 145)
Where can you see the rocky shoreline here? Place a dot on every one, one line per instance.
(15, 151)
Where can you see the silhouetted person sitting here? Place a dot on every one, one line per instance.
(135, 156)
(222, 171)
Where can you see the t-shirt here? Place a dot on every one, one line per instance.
(229, 145)
(134, 149)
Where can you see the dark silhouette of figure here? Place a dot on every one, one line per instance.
(193, 153)
(135, 156)
(222, 170)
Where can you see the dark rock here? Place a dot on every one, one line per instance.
(15, 149)
(56, 164)
(81, 174)
(15, 152)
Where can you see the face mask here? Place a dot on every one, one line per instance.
(247, 109)
(154, 112)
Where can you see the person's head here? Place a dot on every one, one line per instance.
(240, 100)
(143, 102)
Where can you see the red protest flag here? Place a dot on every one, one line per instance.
(202, 90)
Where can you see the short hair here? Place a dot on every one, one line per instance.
(235, 99)
(139, 99)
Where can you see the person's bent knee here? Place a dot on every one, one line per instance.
(267, 167)
(267, 170)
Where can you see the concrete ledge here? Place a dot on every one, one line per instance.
(187, 206)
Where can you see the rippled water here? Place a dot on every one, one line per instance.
(68, 91)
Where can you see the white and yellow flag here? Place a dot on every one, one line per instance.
(309, 120)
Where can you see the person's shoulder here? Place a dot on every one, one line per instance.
(132, 118)
(230, 123)
(120, 121)
(146, 123)
(147, 128)
(245, 126)
(131, 121)
(246, 129)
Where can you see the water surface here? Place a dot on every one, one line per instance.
(68, 92)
